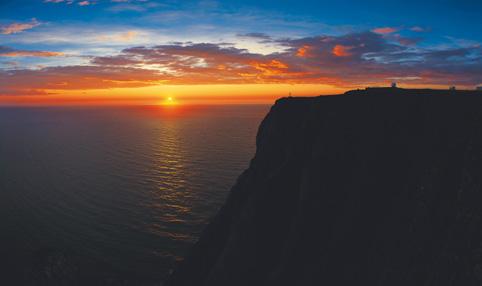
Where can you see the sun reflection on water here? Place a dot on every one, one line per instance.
(170, 205)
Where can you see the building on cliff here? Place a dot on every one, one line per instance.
(393, 86)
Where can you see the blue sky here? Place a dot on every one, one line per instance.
(446, 17)
(298, 42)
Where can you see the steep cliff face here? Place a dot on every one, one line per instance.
(378, 187)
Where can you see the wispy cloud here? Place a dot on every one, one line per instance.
(418, 29)
(31, 54)
(84, 3)
(260, 37)
(127, 36)
(406, 41)
(385, 30)
(10, 64)
(14, 28)
(9, 52)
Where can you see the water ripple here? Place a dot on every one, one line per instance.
(122, 191)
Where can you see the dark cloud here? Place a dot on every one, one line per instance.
(260, 37)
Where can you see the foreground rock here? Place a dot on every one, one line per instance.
(377, 187)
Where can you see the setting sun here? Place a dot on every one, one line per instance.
(169, 101)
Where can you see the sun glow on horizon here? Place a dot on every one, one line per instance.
(183, 95)
(169, 101)
(141, 52)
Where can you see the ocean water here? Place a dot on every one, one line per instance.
(113, 195)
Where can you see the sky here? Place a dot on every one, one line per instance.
(144, 51)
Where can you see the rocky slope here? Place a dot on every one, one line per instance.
(376, 187)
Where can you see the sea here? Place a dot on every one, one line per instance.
(114, 195)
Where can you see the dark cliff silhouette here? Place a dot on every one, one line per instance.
(374, 187)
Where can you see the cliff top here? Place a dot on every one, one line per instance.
(390, 92)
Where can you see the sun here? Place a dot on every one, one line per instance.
(169, 101)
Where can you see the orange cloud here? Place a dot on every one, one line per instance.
(79, 78)
(18, 27)
(9, 52)
(303, 51)
(45, 54)
(278, 64)
(342, 51)
(384, 30)
(274, 67)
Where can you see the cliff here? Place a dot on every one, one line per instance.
(375, 187)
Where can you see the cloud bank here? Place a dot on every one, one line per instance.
(350, 60)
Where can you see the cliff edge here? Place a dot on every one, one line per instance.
(374, 187)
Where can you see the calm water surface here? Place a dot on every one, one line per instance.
(113, 195)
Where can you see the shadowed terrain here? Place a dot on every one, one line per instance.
(374, 187)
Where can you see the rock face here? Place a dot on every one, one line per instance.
(375, 187)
